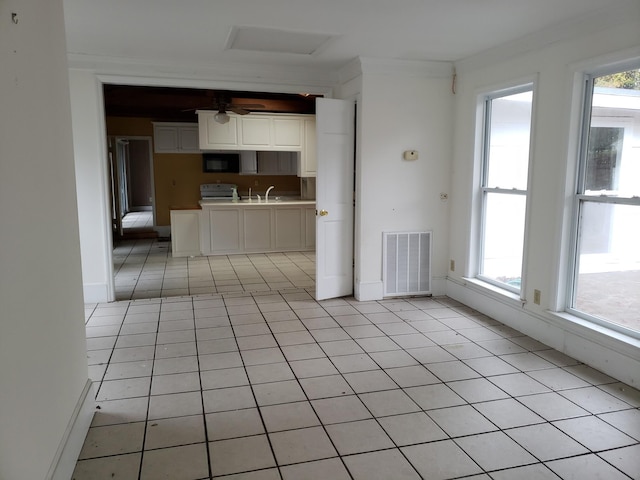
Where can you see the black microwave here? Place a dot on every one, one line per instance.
(221, 162)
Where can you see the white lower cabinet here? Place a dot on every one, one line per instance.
(185, 233)
(258, 231)
(289, 233)
(257, 228)
(226, 231)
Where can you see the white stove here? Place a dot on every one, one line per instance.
(217, 191)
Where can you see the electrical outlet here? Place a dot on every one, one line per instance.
(452, 265)
(444, 196)
(256, 183)
(536, 297)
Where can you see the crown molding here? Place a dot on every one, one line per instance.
(237, 76)
(386, 66)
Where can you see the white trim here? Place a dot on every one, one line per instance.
(235, 76)
(610, 352)
(428, 68)
(368, 291)
(96, 292)
(64, 461)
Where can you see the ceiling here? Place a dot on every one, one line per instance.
(180, 104)
(285, 35)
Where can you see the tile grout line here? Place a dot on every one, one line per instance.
(204, 413)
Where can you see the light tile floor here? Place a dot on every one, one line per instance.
(274, 385)
(146, 269)
(137, 220)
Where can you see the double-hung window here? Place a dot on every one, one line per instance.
(505, 167)
(605, 287)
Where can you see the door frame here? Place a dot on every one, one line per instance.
(126, 138)
(119, 79)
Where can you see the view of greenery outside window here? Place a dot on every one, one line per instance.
(507, 130)
(606, 282)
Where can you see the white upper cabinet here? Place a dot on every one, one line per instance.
(287, 132)
(307, 164)
(214, 135)
(175, 137)
(256, 131)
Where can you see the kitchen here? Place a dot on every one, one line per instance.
(269, 149)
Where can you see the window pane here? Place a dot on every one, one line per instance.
(603, 158)
(613, 147)
(508, 149)
(504, 238)
(608, 275)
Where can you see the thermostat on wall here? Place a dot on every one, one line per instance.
(410, 155)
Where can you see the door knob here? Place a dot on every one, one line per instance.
(323, 213)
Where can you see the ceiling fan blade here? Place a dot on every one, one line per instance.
(238, 110)
(246, 105)
(207, 107)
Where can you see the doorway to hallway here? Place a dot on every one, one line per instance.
(132, 191)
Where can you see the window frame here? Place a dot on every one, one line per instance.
(484, 190)
(580, 197)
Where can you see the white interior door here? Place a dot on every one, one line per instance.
(334, 198)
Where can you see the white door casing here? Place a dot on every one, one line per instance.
(334, 198)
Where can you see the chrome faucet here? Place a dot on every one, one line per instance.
(266, 195)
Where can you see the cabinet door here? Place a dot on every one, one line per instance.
(255, 132)
(257, 229)
(226, 230)
(287, 163)
(185, 233)
(289, 228)
(248, 163)
(214, 135)
(310, 228)
(165, 139)
(268, 163)
(307, 167)
(188, 139)
(287, 133)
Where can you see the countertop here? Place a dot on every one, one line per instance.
(254, 202)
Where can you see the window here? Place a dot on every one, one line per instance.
(507, 130)
(606, 264)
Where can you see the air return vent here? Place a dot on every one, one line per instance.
(406, 265)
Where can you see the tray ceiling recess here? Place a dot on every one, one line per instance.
(273, 40)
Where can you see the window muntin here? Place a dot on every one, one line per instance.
(507, 131)
(606, 264)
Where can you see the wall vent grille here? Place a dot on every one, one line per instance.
(406, 266)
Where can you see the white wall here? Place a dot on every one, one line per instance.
(556, 108)
(92, 185)
(43, 365)
(402, 109)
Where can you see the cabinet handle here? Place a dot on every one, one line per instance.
(323, 213)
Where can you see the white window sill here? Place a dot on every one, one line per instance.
(494, 291)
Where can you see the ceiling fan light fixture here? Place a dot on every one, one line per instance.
(221, 117)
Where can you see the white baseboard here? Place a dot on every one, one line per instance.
(368, 291)
(611, 353)
(96, 293)
(64, 462)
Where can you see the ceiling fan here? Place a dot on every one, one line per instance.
(223, 104)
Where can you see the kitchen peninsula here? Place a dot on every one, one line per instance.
(246, 226)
